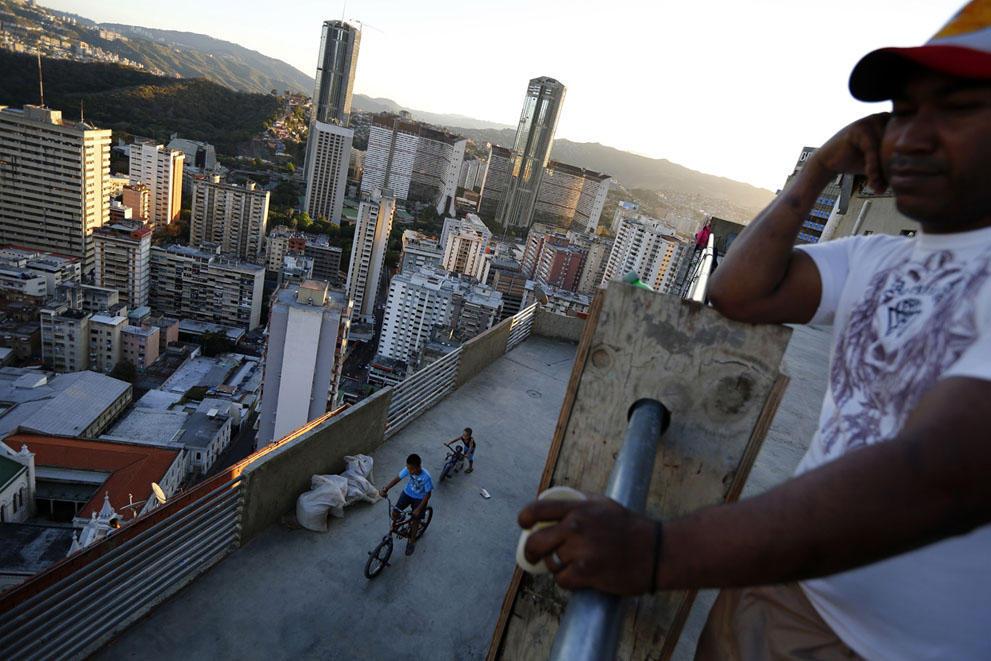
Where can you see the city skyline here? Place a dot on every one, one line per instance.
(733, 101)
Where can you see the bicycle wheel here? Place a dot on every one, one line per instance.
(379, 558)
(446, 472)
(428, 514)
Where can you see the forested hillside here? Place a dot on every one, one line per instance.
(131, 101)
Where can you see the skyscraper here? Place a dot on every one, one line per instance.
(328, 154)
(53, 178)
(335, 73)
(307, 335)
(328, 147)
(534, 137)
(371, 240)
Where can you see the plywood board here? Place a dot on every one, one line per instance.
(720, 380)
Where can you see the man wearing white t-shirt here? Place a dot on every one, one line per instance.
(880, 546)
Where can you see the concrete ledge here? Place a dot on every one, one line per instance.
(557, 326)
(481, 351)
(273, 483)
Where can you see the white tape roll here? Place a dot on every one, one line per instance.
(554, 493)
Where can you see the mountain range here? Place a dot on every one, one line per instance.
(191, 55)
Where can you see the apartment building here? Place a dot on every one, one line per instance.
(138, 198)
(571, 197)
(472, 174)
(65, 338)
(419, 250)
(326, 258)
(597, 249)
(54, 175)
(650, 248)
(105, 341)
(416, 161)
(429, 297)
(371, 240)
(233, 217)
(122, 260)
(206, 286)
(495, 182)
(465, 242)
(139, 345)
(307, 338)
(160, 170)
(327, 170)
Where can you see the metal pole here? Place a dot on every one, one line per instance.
(590, 628)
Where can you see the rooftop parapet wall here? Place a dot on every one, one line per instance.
(273, 484)
(481, 351)
(557, 326)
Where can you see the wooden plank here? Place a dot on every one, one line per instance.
(581, 355)
(721, 381)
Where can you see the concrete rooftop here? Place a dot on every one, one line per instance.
(299, 594)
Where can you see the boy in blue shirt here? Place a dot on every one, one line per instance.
(415, 494)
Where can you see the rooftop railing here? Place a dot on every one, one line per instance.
(83, 601)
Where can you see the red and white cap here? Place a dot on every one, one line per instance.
(961, 48)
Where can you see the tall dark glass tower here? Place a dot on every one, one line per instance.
(534, 137)
(335, 73)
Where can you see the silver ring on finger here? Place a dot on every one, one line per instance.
(558, 564)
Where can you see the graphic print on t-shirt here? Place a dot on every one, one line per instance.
(914, 321)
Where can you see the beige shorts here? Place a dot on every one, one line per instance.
(768, 622)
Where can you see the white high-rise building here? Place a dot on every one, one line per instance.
(472, 174)
(495, 181)
(233, 217)
(429, 297)
(53, 182)
(464, 241)
(368, 248)
(328, 156)
(416, 161)
(122, 260)
(160, 169)
(651, 249)
(307, 337)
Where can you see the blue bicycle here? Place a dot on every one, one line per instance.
(453, 462)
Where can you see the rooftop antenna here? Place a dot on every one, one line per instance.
(82, 117)
(41, 84)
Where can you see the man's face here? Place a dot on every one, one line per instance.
(936, 152)
(413, 470)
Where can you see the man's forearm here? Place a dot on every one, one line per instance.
(845, 514)
(760, 256)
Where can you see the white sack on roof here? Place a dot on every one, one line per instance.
(329, 494)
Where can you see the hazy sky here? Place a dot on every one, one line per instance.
(729, 87)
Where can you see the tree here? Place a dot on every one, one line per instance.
(290, 168)
(124, 371)
(215, 343)
(303, 221)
